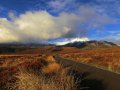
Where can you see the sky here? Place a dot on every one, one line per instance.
(36, 21)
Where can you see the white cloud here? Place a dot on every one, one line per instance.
(35, 26)
(62, 5)
(6, 35)
(72, 40)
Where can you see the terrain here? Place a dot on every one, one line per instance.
(95, 78)
(91, 44)
(38, 65)
(105, 58)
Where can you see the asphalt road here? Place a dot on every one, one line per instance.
(94, 78)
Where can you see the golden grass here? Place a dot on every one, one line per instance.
(35, 73)
(31, 81)
(108, 58)
(50, 59)
(51, 68)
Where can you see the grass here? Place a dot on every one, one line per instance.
(51, 68)
(108, 58)
(31, 81)
(41, 73)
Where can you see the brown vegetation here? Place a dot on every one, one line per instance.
(107, 58)
(31, 81)
(37, 68)
(37, 73)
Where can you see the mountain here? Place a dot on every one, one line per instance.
(91, 44)
(17, 47)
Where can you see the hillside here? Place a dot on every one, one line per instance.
(91, 44)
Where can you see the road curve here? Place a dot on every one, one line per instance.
(110, 80)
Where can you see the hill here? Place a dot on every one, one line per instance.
(91, 44)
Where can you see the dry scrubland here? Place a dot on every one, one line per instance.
(34, 72)
(36, 69)
(106, 58)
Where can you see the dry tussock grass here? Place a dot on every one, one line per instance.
(51, 68)
(50, 59)
(36, 74)
(108, 58)
(31, 81)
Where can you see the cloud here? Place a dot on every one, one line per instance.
(6, 35)
(113, 36)
(109, 7)
(90, 16)
(71, 40)
(93, 13)
(63, 5)
(36, 26)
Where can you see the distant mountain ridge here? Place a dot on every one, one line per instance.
(17, 47)
(24, 44)
(91, 44)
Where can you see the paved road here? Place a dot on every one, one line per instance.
(109, 80)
